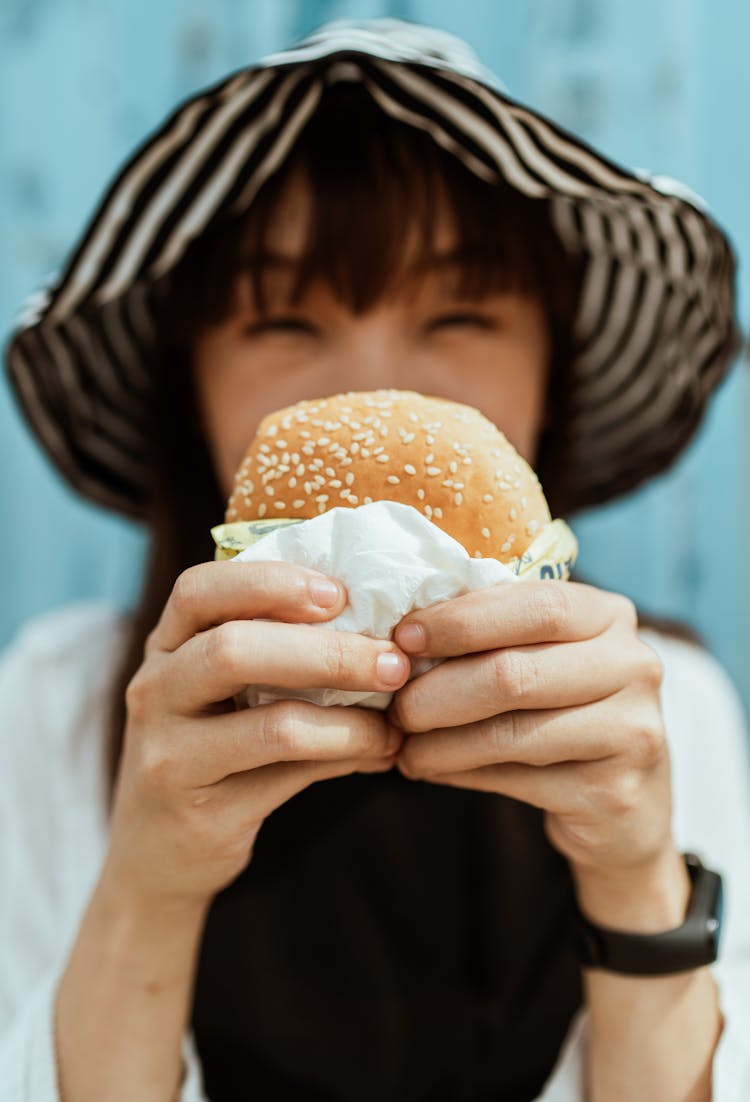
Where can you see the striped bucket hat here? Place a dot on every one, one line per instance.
(654, 326)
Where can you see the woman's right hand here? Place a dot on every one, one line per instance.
(198, 777)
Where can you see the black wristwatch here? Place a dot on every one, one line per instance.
(692, 945)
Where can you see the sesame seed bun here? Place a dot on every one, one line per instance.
(445, 459)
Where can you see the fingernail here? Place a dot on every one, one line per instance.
(411, 637)
(324, 592)
(390, 668)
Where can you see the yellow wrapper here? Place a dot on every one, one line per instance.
(551, 555)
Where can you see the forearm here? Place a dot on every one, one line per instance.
(652, 1038)
(123, 1001)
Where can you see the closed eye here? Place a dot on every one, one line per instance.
(446, 321)
(282, 325)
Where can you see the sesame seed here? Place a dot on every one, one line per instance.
(345, 462)
(354, 448)
(457, 499)
(298, 503)
(430, 458)
(453, 466)
(272, 430)
(432, 471)
(409, 469)
(349, 478)
(393, 479)
(265, 448)
(270, 491)
(430, 439)
(335, 483)
(478, 555)
(353, 499)
(368, 501)
(487, 499)
(505, 486)
(322, 497)
(262, 509)
(279, 505)
(513, 514)
(413, 417)
(506, 546)
(428, 511)
(292, 483)
(523, 502)
(365, 453)
(420, 494)
(300, 469)
(345, 493)
(486, 533)
(295, 458)
(438, 513)
(330, 472)
(308, 488)
(382, 458)
(307, 449)
(323, 440)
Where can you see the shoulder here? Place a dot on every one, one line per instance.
(709, 750)
(67, 633)
(55, 679)
(695, 683)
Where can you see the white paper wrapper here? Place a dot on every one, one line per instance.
(391, 559)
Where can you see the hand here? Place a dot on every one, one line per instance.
(547, 696)
(198, 777)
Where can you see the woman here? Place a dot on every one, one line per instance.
(367, 211)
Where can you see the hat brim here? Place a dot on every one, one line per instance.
(655, 323)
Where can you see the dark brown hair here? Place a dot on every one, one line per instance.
(369, 178)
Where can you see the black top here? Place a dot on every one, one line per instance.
(389, 939)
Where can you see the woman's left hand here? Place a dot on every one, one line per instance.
(547, 696)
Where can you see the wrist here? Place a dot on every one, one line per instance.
(648, 898)
(133, 911)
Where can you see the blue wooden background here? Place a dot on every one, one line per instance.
(663, 84)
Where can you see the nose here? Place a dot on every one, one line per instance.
(373, 353)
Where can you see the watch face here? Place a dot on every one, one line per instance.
(695, 944)
(716, 923)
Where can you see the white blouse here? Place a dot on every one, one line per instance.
(54, 684)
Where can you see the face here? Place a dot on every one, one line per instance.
(492, 354)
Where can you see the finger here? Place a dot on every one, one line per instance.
(226, 659)
(588, 732)
(212, 593)
(207, 750)
(256, 794)
(508, 615)
(593, 789)
(555, 675)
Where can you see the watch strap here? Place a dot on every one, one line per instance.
(692, 945)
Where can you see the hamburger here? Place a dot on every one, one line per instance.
(442, 458)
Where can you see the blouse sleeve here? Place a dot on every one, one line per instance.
(710, 758)
(53, 691)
